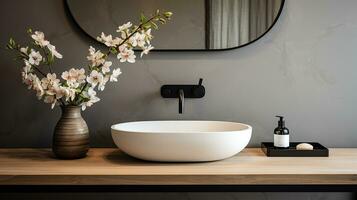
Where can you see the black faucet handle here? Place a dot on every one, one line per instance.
(199, 91)
(190, 91)
(200, 81)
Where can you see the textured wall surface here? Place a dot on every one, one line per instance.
(305, 69)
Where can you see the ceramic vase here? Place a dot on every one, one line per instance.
(71, 135)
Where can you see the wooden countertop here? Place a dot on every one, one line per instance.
(108, 166)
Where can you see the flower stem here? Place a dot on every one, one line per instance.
(62, 103)
(79, 94)
(26, 57)
(39, 71)
(106, 54)
(48, 60)
(137, 29)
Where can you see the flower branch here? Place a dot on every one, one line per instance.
(76, 87)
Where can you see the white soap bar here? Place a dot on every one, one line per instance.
(304, 146)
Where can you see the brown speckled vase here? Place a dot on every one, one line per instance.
(71, 136)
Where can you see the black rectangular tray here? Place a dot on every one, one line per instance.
(318, 151)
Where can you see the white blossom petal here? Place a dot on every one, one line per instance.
(124, 27)
(115, 74)
(39, 38)
(53, 51)
(35, 57)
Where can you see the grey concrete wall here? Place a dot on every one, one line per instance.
(305, 69)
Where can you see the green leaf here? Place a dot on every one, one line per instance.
(51, 59)
(168, 14)
(147, 26)
(154, 25)
(84, 97)
(142, 18)
(9, 46)
(12, 42)
(113, 50)
(162, 20)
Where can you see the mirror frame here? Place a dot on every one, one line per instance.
(68, 10)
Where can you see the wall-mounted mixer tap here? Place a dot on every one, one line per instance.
(183, 91)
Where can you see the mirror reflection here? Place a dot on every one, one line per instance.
(196, 25)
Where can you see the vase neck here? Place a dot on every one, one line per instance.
(71, 111)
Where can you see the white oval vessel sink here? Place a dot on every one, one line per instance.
(181, 141)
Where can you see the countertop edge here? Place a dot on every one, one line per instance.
(328, 179)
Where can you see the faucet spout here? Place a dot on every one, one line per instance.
(181, 100)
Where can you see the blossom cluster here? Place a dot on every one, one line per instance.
(77, 86)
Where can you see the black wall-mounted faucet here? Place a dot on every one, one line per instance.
(183, 91)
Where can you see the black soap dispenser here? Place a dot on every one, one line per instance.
(281, 135)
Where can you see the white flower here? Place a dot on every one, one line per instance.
(52, 90)
(67, 92)
(126, 55)
(27, 68)
(35, 57)
(28, 79)
(39, 38)
(123, 47)
(146, 50)
(106, 67)
(24, 50)
(124, 27)
(91, 95)
(132, 41)
(24, 76)
(88, 103)
(125, 33)
(101, 85)
(50, 81)
(59, 92)
(65, 75)
(38, 87)
(70, 93)
(74, 77)
(53, 51)
(95, 57)
(51, 84)
(108, 40)
(115, 74)
(140, 39)
(148, 35)
(95, 78)
(75, 82)
(50, 99)
(137, 39)
(33, 82)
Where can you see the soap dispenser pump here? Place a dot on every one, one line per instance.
(281, 134)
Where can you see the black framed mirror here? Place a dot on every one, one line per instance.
(195, 25)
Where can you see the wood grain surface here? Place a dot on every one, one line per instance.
(109, 166)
